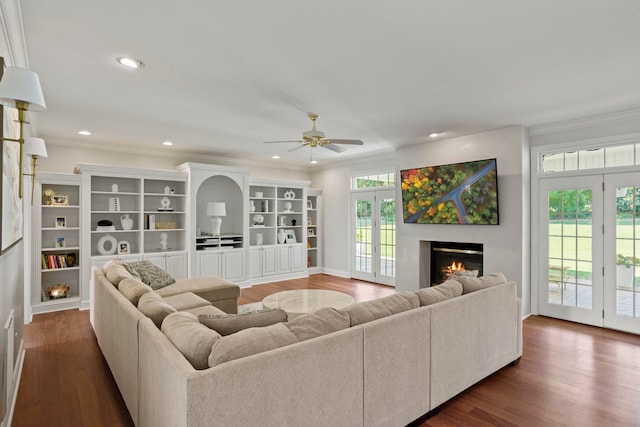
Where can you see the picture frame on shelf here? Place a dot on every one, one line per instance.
(123, 247)
(290, 236)
(61, 222)
(309, 220)
(60, 200)
(309, 204)
(60, 242)
(311, 232)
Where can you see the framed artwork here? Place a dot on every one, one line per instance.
(60, 200)
(290, 236)
(310, 232)
(60, 243)
(123, 247)
(61, 222)
(11, 203)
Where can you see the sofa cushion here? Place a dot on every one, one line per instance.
(154, 307)
(228, 324)
(367, 311)
(210, 288)
(449, 289)
(133, 289)
(190, 337)
(250, 341)
(472, 284)
(185, 301)
(115, 272)
(132, 271)
(318, 323)
(151, 274)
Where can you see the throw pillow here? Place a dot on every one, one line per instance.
(153, 306)
(449, 289)
(228, 324)
(318, 323)
(472, 284)
(367, 311)
(152, 275)
(190, 337)
(250, 341)
(131, 271)
(133, 289)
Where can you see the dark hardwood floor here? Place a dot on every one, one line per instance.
(569, 375)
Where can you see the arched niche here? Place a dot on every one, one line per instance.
(220, 188)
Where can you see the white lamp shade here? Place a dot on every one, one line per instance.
(35, 147)
(20, 84)
(216, 209)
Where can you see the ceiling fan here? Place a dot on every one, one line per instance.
(315, 138)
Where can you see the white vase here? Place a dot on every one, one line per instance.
(126, 222)
(281, 236)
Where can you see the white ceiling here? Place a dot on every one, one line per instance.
(221, 77)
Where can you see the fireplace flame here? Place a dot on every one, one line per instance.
(450, 269)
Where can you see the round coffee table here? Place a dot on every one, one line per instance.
(301, 301)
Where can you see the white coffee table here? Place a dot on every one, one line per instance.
(301, 301)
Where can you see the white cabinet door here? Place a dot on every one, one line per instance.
(176, 265)
(158, 260)
(284, 263)
(255, 262)
(233, 265)
(296, 253)
(268, 260)
(210, 263)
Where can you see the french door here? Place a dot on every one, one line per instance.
(590, 250)
(374, 236)
(571, 249)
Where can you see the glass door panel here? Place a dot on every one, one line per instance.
(622, 268)
(570, 287)
(374, 236)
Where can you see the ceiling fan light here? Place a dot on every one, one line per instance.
(275, 157)
(313, 162)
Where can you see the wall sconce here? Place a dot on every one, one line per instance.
(20, 89)
(215, 210)
(35, 148)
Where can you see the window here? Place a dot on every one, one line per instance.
(378, 180)
(592, 158)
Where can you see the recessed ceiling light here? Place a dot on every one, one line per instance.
(167, 143)
(313, 162)
(130, 62)
(275, 157)
(84, 132)
(434, 134)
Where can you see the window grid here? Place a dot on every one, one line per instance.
(593, 158)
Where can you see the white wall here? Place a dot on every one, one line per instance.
(335, 185)
(506, 244)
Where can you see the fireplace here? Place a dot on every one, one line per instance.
(447, 257)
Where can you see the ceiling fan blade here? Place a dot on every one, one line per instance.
(278, 142)
(335, 148)
(346, 141)
(298, 147)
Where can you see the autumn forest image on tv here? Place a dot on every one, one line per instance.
(459, 193)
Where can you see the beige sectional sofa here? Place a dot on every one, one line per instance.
(396, 360)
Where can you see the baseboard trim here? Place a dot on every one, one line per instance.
(16, 385)
(339, 273)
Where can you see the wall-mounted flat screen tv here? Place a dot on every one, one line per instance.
(457, 193)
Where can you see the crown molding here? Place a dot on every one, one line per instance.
(583, 123)
(13, 33)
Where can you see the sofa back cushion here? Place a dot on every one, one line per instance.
(153, 306)
(115, 273)
(318, 323)
(250, 341)
(368, 311)
(472, 284)
(228, 324)
(190, 337)
(151, 274)
(133, 289)
(449, 289)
